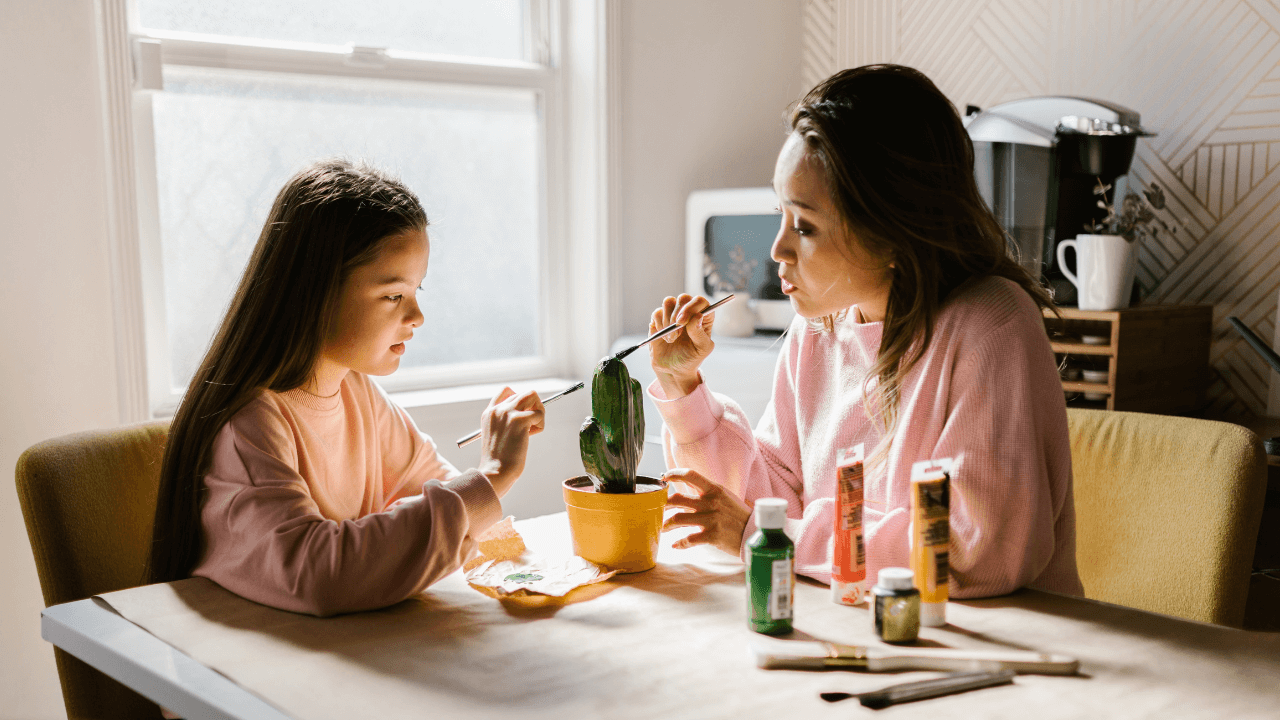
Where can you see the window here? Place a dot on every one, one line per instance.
(467, 101)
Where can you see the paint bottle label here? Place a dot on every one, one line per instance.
(780, 590)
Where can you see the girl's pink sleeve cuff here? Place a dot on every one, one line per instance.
(690, 418)
(482, 503)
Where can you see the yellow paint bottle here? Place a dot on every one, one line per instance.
(931, 537)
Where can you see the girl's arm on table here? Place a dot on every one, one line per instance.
(267, 540)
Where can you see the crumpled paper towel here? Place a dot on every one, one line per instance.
(504, 567)
(532, 574)
(499, 542)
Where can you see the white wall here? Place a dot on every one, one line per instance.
(57, 373)
(704, 86)
(553, 454)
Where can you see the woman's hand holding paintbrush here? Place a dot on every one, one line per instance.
(676, 360)
(668, 331)
(506, 456)
(717, 515)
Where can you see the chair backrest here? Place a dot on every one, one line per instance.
(89, 502)
(1167, 512)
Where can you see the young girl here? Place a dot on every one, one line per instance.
(917, 335)
(289, 477)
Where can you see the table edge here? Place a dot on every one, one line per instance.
(96, 634)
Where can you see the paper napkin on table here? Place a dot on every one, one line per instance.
(533, 574)
(499, 542)
(504, 567)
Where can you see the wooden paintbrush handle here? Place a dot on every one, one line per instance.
(881, 659)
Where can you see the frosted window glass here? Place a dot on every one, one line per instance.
(480, 28)
(226, 142)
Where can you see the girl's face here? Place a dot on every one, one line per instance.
(377, 310)
(824, 269)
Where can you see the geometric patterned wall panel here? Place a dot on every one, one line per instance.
(1205, 76)
(818, 37)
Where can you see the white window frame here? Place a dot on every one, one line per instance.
(572, 72)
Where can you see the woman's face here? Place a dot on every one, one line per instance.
(824, 269)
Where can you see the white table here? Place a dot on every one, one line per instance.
(669, 643)
(98, 635)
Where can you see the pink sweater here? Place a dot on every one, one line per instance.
(986, 393)
(325, 506)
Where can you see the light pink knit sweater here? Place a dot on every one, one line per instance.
(986, 393)
(299, 508)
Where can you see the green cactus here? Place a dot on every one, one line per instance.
(613, 438)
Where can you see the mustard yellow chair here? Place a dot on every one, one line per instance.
(1167, 512)
(88, 501)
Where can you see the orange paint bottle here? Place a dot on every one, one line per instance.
(849, 554)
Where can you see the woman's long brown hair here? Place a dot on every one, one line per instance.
(327, 220)
(899, 166)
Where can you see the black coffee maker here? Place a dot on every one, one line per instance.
(1038, 161)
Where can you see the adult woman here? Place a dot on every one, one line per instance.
(918, 336)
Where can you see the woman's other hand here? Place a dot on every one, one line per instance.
(719, 516)
(677, 356)
(505, 427)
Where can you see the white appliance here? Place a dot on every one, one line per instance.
(717, 222)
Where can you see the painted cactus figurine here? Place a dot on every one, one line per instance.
(612, 439)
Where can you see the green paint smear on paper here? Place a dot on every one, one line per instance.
(522, 577)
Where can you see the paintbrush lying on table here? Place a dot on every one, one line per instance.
(924, 689)
(779, 654)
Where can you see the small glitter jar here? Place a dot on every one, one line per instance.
(896, 606)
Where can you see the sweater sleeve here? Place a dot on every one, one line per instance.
(266, 540)
(1005, 427)
(409, 457)
(708, 432)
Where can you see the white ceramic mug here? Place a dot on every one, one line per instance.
(1105, 265)
(735, 318)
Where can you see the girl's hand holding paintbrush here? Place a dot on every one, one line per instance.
(505, 427)
(678, 355)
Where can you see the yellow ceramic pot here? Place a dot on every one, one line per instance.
(616, 530)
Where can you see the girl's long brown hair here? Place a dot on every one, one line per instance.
(899, 166)
(327, 220)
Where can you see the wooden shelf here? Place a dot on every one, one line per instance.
(1084, 387)
(1082, 349)
(1156, 357)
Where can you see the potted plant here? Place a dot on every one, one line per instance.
(615, 516)
(1106, 256)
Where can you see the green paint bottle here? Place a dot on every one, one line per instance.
(771, 576)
